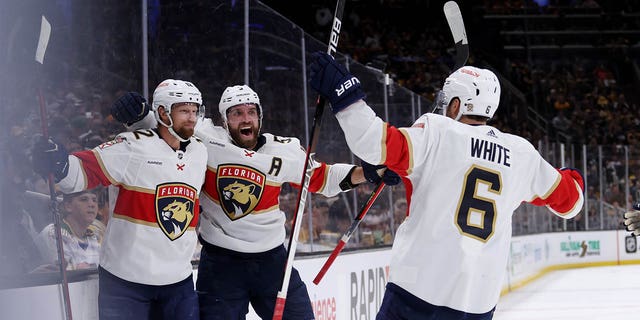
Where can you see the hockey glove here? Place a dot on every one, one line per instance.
(334, 82)
(374, 174)
(50, 157)
(130, 108)
(632, 220)
(576, 175)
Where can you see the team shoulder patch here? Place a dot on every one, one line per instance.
(118, 139)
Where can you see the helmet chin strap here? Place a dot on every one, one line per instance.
(173, 133)
(170, 127)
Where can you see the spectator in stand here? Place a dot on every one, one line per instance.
(561, 123)
(377, 224)
(399, 213)
(561, 103)
(340, 220)
(613, 194)
(577, 223)
(287, 202)
(79, 236)
(320, 234)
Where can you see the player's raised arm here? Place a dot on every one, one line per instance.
(132, 110)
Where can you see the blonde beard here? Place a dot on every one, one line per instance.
(185, 133)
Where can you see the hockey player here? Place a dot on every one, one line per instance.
(145, 263)
(242, 229)
(464, 180)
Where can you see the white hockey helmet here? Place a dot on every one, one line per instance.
(235, 95)
(171, 91)
(478, 91)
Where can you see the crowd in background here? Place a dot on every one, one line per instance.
(588, 99)
(576, 65)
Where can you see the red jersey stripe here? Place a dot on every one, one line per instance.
(567, 188)
(398, 151)
(139, 205)
(318, 179)
(93, 169)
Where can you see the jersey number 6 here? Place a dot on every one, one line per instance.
(476, 214)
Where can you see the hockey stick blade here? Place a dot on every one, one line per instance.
(43, 39)
(456, 25)
(281, 296)
(347, 235)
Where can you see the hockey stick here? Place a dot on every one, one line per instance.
(456, 25)
(308, 170)
(347, 235)
(43, 41)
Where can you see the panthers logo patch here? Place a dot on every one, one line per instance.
(117, 140)
(175, 208)
(240, 188)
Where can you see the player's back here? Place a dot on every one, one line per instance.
(466, 181)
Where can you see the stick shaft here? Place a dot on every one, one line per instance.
(308, 170)
(347, 235)
(56, 216)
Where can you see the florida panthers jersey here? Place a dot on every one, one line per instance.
(151, 236)
(463, 184)
(240, 204)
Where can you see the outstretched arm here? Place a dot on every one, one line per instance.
(566, 197)
(370, 173)
(366, 134)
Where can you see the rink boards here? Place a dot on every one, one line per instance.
(354, 286)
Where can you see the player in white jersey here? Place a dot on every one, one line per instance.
(463, 178)
(242, 229)
(145, 263)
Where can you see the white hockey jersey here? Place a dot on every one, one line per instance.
(240, 204)
(463, 183)
(151, 236)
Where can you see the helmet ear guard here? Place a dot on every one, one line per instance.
(477, 89)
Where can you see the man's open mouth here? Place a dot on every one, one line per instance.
(246, 131)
